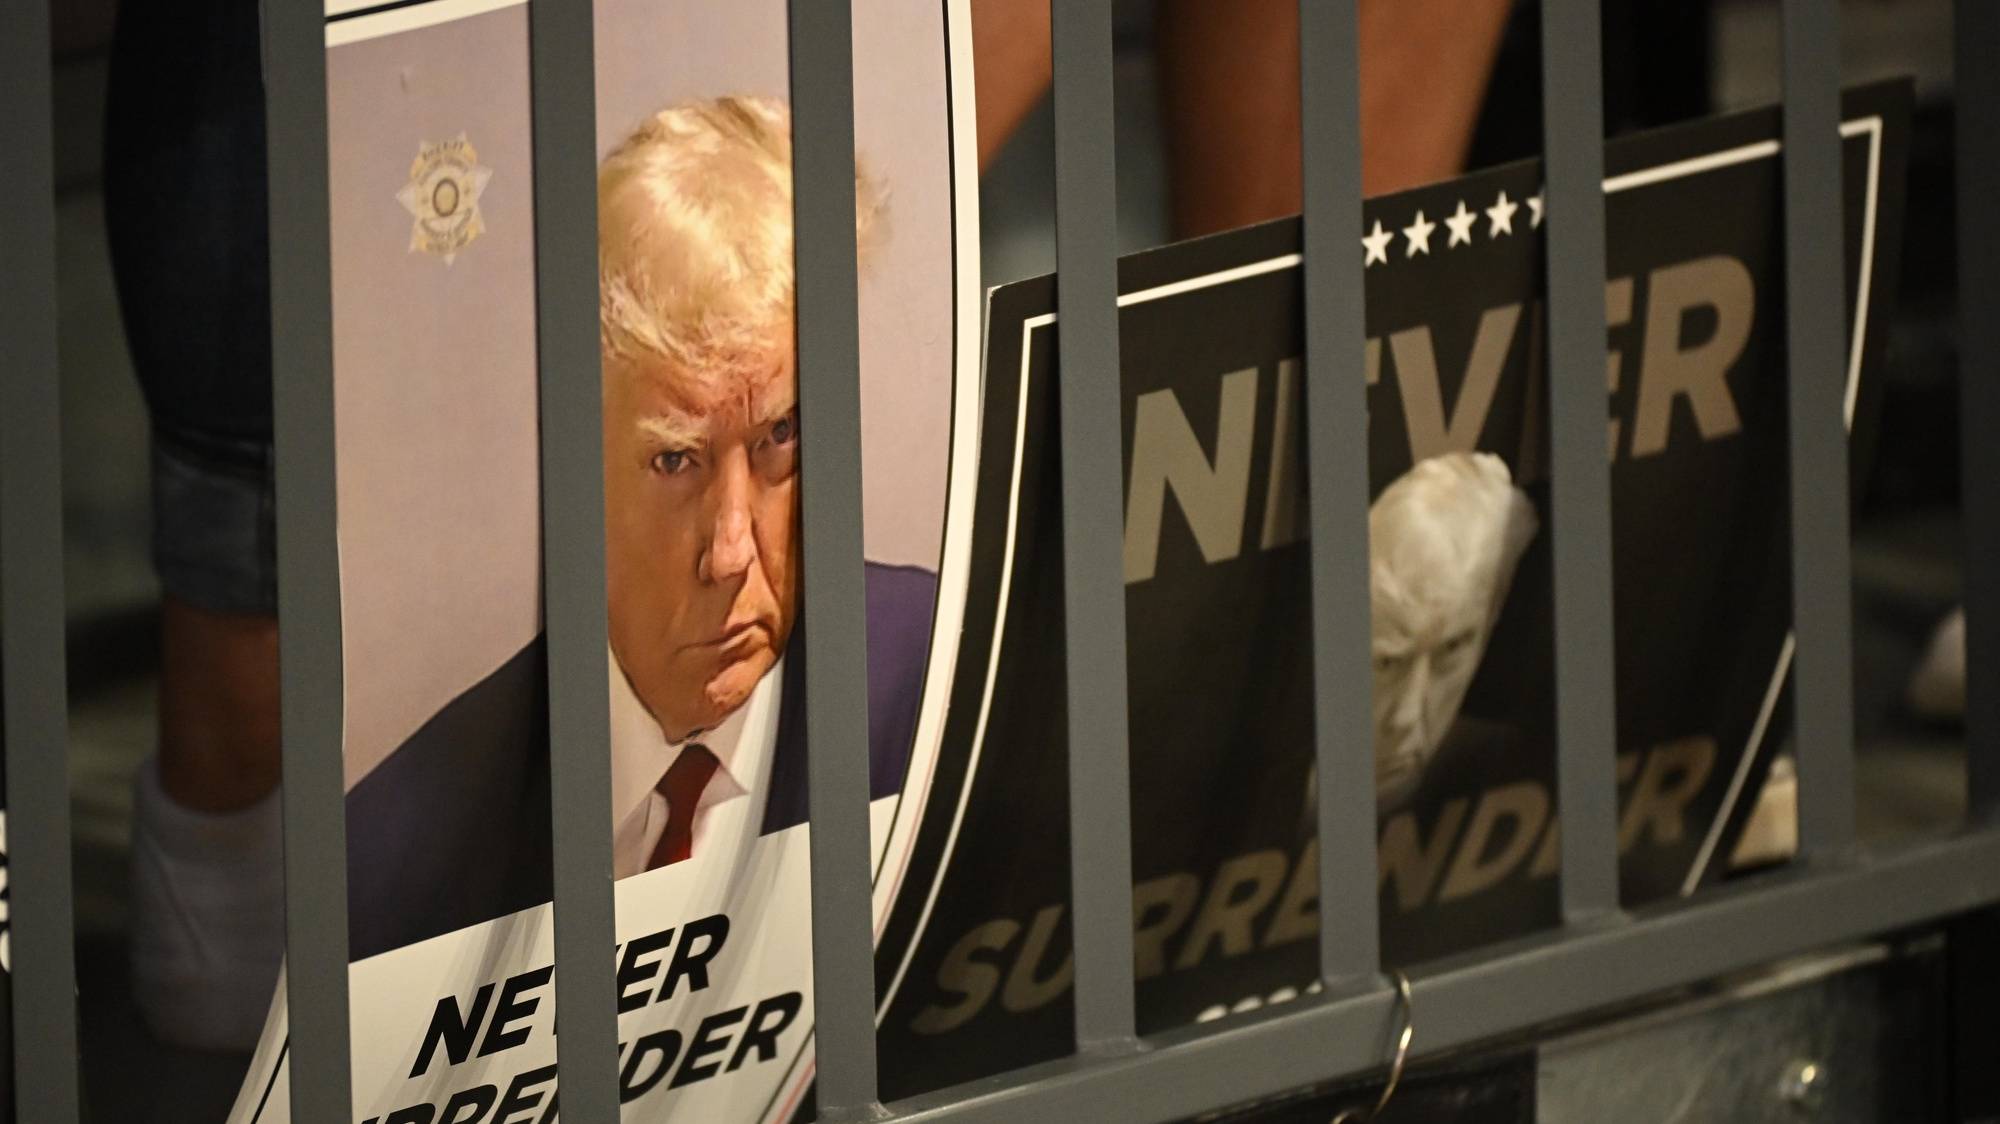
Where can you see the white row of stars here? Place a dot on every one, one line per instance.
(1459, 226)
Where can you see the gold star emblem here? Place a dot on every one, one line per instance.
(443, 197)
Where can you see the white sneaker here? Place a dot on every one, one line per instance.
(208, 916)
(1937, 687)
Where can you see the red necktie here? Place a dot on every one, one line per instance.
(682, 786)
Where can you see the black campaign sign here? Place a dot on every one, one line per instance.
(976, 962)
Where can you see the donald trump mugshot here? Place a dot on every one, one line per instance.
(701, 454)
(1443, 542)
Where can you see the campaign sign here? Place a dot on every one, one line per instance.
(1217, 593)
(448, 747)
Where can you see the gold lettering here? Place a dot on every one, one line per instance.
(1242, 888)
(1524, 807)
(1297, 917)
(970, 979)
(1160, 906)
(1674, 775)
(1404, 859)
(1024, 992)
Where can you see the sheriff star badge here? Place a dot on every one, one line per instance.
(446, 180)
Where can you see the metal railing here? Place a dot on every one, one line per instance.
(31, 583)
(1601, 955)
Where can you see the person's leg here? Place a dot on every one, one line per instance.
(185, 202)
(207, 855)
(1230, 76)
(1229, 89)
(218, 706)
(214, 548)
(1936, 691)
(1011, 67)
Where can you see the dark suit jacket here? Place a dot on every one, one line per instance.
(452, 829)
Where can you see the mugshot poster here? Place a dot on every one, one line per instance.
(1225, 882)
(446, 739)
(701, 445)
(437, 470)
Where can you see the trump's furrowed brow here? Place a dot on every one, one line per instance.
(772, 399)
(671, 430)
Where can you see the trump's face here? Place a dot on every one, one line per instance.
(701, 501)
(1426, 654)
(1443, 541)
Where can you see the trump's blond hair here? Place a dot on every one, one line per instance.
(694, 242)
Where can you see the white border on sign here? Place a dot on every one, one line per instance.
(961, 495)
(352, 21)
(1872, 126)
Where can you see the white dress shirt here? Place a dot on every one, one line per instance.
(730, 812)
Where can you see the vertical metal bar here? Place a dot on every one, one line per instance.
(1978, 111)
(1336, 409)
(563, 72)
(36, 733)
(1816, 335)
(829, 366)
(309, 642)
(1100, 804)
(1580, 484)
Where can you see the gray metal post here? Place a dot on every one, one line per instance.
(1336, 406)
(1978, 110)
(836, 619)
(573, 581)
(36, 733)
(1816, 337)
(1580, 484)
(309, 642)
(1100, 804)
(1467, 1000)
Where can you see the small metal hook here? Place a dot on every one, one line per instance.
(1403, 1038)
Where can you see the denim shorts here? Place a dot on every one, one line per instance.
(185, 208)
(215, 530)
